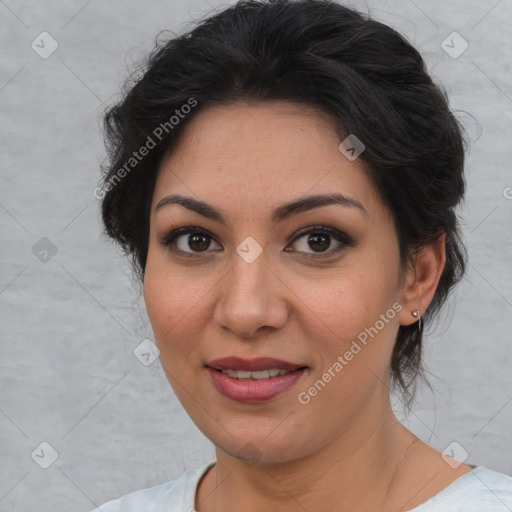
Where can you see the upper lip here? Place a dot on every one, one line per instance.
(258, 363)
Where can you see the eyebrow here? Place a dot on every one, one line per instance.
(278, 215)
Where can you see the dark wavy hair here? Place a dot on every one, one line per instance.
(358, 71)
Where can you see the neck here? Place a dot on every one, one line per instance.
(356, 471)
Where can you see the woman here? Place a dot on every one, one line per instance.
(284, 178)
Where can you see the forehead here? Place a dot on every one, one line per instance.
(257, 155)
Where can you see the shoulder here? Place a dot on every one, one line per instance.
(479, 490)
(141, 499)
(179, 493)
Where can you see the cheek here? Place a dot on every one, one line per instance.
(350, 314)
(167, 303)
(347, 302)
(176, 303)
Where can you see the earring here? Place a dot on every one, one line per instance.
(416, 314)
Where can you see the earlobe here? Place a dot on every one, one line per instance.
(421, 281)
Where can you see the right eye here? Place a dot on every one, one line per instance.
(189, 241)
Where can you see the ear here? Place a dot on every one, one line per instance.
(421, 280)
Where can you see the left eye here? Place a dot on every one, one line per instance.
(320, 240)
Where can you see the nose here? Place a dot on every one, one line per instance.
(252, 299)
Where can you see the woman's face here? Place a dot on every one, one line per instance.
(317, 287)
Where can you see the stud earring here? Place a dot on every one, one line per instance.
(416, 314)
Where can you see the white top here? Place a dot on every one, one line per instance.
(480, 490)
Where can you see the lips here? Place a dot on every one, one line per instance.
(253, 380)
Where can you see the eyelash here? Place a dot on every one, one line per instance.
(345, 241)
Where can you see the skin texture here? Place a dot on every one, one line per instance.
(344, 450)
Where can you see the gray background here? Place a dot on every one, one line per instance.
(71, 321)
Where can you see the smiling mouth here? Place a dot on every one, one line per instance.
(257, 385)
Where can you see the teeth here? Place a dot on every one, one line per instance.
(258, 375)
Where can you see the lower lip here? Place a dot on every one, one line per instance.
(253, 391)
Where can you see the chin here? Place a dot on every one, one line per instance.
(259, 449)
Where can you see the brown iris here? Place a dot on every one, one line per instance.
(198, 242)
(320, 242)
